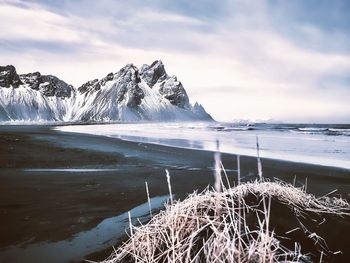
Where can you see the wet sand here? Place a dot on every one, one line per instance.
(54, 185)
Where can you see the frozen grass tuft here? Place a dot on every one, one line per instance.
(234, 225)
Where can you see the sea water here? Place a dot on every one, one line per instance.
(321, 144)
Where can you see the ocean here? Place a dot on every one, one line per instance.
(320, 144)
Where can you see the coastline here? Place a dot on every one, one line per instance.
(78, 201)
(312, 144)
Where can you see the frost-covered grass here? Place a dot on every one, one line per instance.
(239, 224)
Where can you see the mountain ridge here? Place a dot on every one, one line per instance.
(130, 94)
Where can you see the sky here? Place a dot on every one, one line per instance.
(259, 59)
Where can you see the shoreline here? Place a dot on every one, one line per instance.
(198, 137)
(78, 201)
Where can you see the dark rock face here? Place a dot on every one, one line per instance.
(153, 73)
(90, 86)
(127, 85)
(47, 84)
(172, 90)
(9, 77)
(169, 87)
(136, 95)
(95, 84)
(53, 86)
(33, 80)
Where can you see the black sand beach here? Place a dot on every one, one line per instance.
(54, 185)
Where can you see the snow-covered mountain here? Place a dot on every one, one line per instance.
(33, 97)
(130, 94)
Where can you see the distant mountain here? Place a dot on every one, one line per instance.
(148, 94)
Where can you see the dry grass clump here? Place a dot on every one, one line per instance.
(247, 223)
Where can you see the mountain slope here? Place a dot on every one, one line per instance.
(149, 94)
(33, 97)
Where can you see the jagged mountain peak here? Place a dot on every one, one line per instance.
(153, 73)
(127, 73)
(48, 85)
(129, 94)
(173, 90)
(128, 79)
(9, 77)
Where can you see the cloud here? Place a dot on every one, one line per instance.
(32, 23)
(241, 60)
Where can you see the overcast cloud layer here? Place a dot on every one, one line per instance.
(285, 60)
